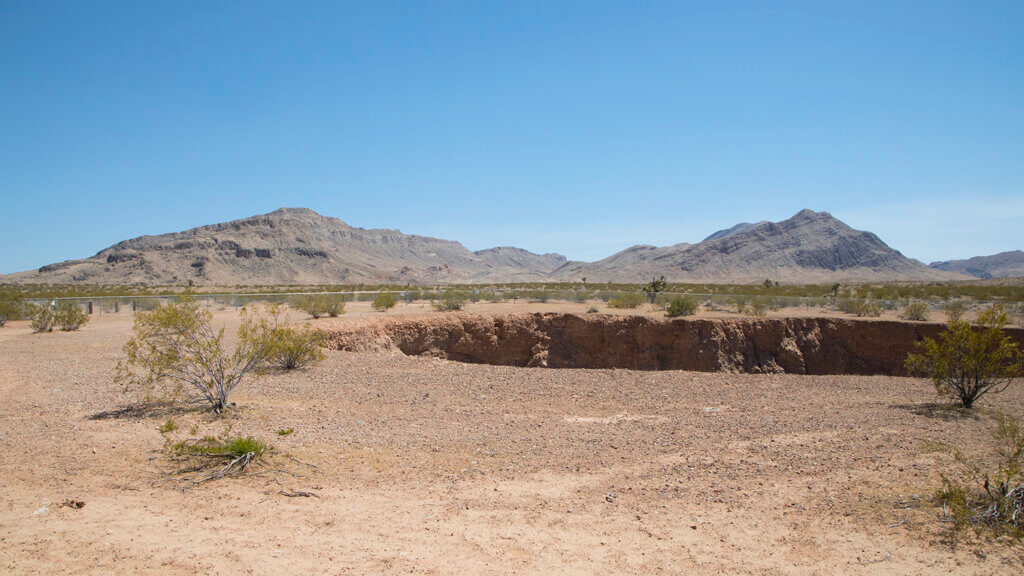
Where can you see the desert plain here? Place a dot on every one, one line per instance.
(419, 465)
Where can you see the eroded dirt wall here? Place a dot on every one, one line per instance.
(792, 345)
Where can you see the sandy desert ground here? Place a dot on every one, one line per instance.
(425, 466)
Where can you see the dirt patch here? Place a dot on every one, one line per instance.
(425, 466)
(748, 345)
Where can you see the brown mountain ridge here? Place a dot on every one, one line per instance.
(295, 246)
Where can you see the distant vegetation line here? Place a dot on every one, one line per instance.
(893, 291)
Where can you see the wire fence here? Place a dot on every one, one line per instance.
(734, 302)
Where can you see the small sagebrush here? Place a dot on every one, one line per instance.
(321, 305)
(682, 306)
(997, 501)
(384, 302)
(69, 317)
(11, 308)
(629, 300)
(450, 301)
(916, 311)
(293, 348)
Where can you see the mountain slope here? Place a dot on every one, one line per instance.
(513, 261)
(809, 247)
(287, 246)
(737, 229)
(1002, 265)
(298, 246)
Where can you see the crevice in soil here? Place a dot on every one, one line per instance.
(749, 345)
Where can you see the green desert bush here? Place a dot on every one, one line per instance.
(916, 311)
(967, 362)
(682, 306)
(954, 311)
(449, 301)
(322, 305)
(43, 318)
(383, 302)
(995, 500)
(69, 317)
(293, 348)
(628, 300)
(11, 308)
(861, 307)
(758, 307)
(174, 348)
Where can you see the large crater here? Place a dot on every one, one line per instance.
(756, 345)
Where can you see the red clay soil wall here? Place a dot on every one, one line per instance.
(792, 345)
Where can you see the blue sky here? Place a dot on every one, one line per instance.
(575, 127)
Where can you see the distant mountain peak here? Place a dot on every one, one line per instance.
(1002, 265)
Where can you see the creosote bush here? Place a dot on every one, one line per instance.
(967, 362)
(293, 348)
(628, 300)
(321, 305)
(43, 318)
(861, 307)
(11, 308)
(917, 311)
(449, 301)
(384, 302)
(996, 502)
(954, 311)
(69, 317)
(681, 306)
(175, 348)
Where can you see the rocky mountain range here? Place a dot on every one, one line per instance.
(292, 246)
(809, 247)
(295, 246)
(1002, 265)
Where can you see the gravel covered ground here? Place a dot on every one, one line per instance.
(424, 466)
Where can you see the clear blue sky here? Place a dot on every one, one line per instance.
(576, 127)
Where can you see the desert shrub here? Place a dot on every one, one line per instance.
(295, 347)
(592, 310)
(954, 311)
(69, 317)
(681, 306)
(384, 302)
(541, 296)
(741, 303)
(43, 318)
(996, 501)
(628, 300)
(449, 301)
(11, 308)
(167, 427)
(239, 452)
(492, 296)
(967, 362)
(758, 307)
(861, 307)
(917, 311)
(653, 287)
(176, 348)
(321, 305)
